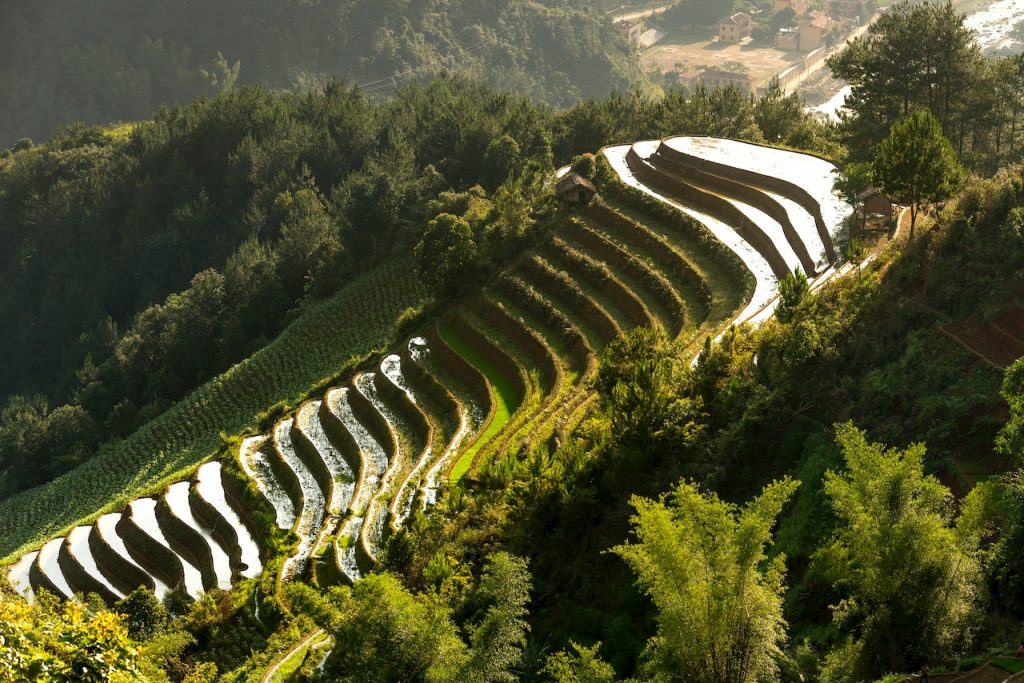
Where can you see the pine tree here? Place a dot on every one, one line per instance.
(916, 165)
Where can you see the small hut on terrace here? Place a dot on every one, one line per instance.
(574, 191)
(875, 201)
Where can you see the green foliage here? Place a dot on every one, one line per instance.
(1006, 576)
(584, 165)
(502, 159)
(499, 636)
(391, 634)
(1011, 437)
(911, 577)
(915, 164)
(122, 62)
(780, 117)
(794, 289)
(852, 179)
(63, 642)
(703, 562)
(144, 615)
(581, 665)
(446, 252)
(388, 633)
(438, 571)
(642, 385)
(31, 435)
(722, 112)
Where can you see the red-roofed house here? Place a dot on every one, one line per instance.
(813, 29)
(735, 28)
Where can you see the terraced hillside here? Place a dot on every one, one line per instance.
(689, 235)
(324, 342)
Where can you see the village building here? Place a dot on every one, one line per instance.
(714, 78)
(814, 27)
(574, 191)
(788, 39)
(799, 7)
(735, 28)
(875, 202)
(631, 31)
(651, 37)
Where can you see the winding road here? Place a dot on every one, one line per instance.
(319, 635)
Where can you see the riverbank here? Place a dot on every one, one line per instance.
(993, 23)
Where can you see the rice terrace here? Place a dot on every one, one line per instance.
(548, 341)
(691, 235)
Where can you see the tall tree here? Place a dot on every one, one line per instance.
(499, 637)
(851, 180)
(389, 634)
(446, 251)
(910, 569)
(703, 562)
(915, 164)
(916, 55)
(794, 289)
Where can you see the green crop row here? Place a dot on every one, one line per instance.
(323, 342)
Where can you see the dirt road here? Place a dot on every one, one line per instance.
(639, 14)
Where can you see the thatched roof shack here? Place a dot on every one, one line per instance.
(574, 190)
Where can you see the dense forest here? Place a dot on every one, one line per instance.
(63, 61)
(834, 495)
(842, 512)
(976, 100)
(283, 199)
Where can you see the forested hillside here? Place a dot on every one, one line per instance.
(143, 261)
(136, 275)
(321, 386)
(116, 60)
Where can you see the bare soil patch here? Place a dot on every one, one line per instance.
(686, 52)
(988, 341)
(1011, 321)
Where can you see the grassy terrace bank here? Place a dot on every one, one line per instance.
(321, 344)
(506, 398)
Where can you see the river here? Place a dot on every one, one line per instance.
(993, 27)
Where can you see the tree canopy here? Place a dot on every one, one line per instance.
(703, 562)
(116, 60)
(909, 569)
(64, 642)
(915, 164)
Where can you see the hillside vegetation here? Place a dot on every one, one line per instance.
(716, 424)
(143, 265)
(834, 355)
(311, 190)
(117, 60)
